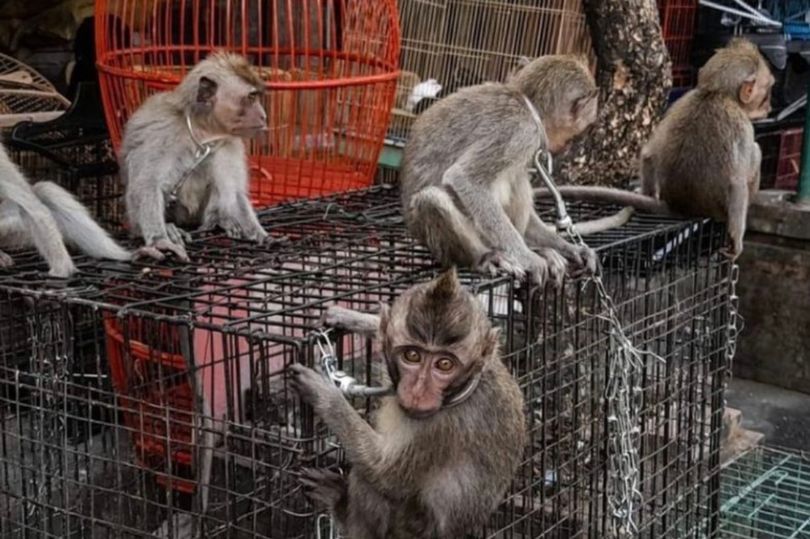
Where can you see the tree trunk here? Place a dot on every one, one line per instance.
(634, 75)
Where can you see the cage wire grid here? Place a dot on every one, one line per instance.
(150, 400)
(766, 493)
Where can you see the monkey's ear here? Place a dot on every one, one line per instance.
(747, 90)
(582, 104)
(206, 90)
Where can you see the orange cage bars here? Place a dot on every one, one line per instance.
(330, 68)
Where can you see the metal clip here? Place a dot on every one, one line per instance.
(564, 221)
(347, 384)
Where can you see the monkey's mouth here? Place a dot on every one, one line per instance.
(250, 130)
(418, 414)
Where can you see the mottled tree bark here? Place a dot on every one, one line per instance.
(634, 76)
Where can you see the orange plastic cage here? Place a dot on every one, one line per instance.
(330, 68)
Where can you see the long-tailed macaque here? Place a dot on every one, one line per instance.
(445, 447)
(702, 159)
(466, 190)
(183, 156)
(44, 215)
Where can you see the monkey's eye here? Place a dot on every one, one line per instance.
(445, 364)
(412, 356)
(253, 96)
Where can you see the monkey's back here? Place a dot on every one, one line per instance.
(703, 145)
(491, 113)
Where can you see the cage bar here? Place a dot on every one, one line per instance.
(151, 400)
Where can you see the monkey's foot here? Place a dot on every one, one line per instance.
(62, 269)
(155, 251)
(584, 261)
(499, 263)
(5, 260)
(177, 235)
(557, 266)
(324, 488)
(269, 240)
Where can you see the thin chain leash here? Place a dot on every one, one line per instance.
(623, 393)
(735, 326)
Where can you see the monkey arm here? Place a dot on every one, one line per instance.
(230, 207)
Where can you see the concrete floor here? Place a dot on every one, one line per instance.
(782, 416)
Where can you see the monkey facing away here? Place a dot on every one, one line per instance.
(44, 215)
(183, 156)
(702, 159)
(445, 447)
(466, 189)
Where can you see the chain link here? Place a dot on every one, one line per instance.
(623, 392)
(735, 325)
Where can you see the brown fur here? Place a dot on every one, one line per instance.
(702, 159)
(439, 476)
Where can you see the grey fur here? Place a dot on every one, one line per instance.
(44, 216)
(158, 152)
(438, 477)
(466, 189)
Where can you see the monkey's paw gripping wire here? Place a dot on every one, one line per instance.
(347, 384)
(623, 392)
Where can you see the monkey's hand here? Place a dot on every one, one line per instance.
(62, 269)
(530, 266)
(156, 248)
(313, 388)
(583, 260)
(557, 265)
(177, 235)
(5, 260)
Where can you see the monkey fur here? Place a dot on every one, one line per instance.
(44, 215)
(702, 159)
(221, 96)
(466, 190)
(429, 468)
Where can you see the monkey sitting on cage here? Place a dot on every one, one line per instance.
(45, 216)
(183, 156)
(466, 187)
(445, 447)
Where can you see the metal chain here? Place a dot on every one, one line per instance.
(623, 392)
(735, 325)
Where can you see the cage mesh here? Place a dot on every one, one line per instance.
(143, 401)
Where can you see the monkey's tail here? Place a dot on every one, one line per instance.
(76, 224)
(605, 223)
(607, 195)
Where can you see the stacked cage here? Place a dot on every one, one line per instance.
(186, 426)
(449, 44)
(329, 66)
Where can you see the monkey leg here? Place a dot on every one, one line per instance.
(155, 250)
(539, 236)
(20, 229)
(327, 490)
(449, 235)
(177, 235)
(348, 320)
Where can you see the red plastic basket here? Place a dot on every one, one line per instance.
(330, 67)
(790, 158)
(678, 20)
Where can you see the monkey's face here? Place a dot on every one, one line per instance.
(435, 339)
(755, 94)
(240, 110)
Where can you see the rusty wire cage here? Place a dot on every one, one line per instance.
(179, 421)
(330, 68)
(459, 43)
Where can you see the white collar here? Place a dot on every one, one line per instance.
(535, 116)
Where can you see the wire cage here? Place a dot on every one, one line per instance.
(678, 22)
(74, 151)
(330, 68)
(449, 44)
(25, 95)
(187, 427)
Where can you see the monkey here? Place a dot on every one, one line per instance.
(465, 182)
(44, 215)
(445, 446)
(183, 156)
(702, 159)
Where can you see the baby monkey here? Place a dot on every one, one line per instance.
(183, 156)
(466, 189)
(702, 159)
(445, 447)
